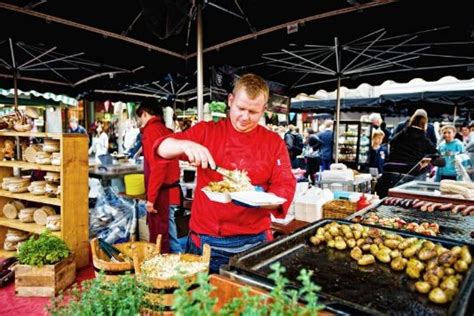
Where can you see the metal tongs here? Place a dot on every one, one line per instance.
(226, 173)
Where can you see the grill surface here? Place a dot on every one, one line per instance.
(374, 289)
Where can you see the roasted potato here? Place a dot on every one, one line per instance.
(374, 249)
(383, 256)
(428, 244)
(426, 254)
(374, 232)
(449, 271)
(365, 247)
(390, 236)
(447, 258)
(339, 243)
(356, 253)
(456, 250)
(440, 249)
(351, 243)
(366, 260)
(432, 279)
(431, 264)
(414, 268)
(334, 231)
(360, 242)
(450, 282)
(422, 287)
(328, 237)
(395, 253)
(349, 235)
(320, 231)
(460, 266)
(378, 241)
(438, 296)
(437, 271)
(466, 255)
(392, 243)
(407, 243)
(315, 240)
(346, 229)
(331, 244)
(357, 234)
(412, 250)
(357, 227)
(398, 264)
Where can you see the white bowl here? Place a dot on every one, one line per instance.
(217, 196)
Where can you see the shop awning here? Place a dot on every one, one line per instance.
(311, 105)
(25, 97)
(459, 98)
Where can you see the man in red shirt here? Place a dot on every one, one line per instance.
(161, 177)
(235, 143)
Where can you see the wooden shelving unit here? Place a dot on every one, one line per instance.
(73, 203)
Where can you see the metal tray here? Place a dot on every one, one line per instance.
(452, 226)
(372, 290)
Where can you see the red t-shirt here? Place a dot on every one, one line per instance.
(261, 153)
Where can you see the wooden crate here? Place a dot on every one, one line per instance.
(44, 281)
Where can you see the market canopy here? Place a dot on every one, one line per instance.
(25, 97)
(161, 35)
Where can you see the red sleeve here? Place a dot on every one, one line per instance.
(282, 180)
(196, 134)
(157, 167)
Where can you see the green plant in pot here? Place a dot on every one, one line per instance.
(45, 249)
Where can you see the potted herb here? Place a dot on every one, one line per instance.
(46, 266)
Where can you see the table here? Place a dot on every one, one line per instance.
(113, 171)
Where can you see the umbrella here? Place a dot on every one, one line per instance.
(369, 55)
(47, 65)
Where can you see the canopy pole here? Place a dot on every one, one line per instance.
(200, 69)
(15, 88)
(454, 116)
(338, 113)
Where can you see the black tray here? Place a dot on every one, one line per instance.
(373, 290)
(452, 226)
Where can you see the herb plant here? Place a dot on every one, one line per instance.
(98, 297)
(42, 250)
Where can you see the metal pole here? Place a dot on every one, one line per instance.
(455, 113)
(15, 89)
(200, 66)
(338, 113)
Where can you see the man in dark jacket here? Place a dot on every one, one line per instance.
(327, 138)
(430, 132)
(379, 124)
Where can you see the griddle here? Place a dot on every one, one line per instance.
(452, 226)
(371, 290)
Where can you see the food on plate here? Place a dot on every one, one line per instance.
(435, 269)
(240, 182)
(466, 189)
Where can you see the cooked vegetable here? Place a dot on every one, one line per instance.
(315, 240)
(466, 255)
(438, 296)
(412, 250)
(432, 279)
(426, 254)
(460, 266)
(447, 258)
(331, 244)
(356, 253)
(395, 254)
(383, 256)
(398, 264)
(392, 243)
(351, 243)
(414, 268)
(422, 287)
(340, 243)
(374, 249)
(366, 260)
(449, 271)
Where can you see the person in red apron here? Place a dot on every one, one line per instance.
(237, 142)
(161, 176)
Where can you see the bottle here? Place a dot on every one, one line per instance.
(362, 202)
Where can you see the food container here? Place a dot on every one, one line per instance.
(18, 185)
(52, 178)
(40, 215)
(51, 145)
(56, 159)
(220, 197)
(15, 235)
(134, 184)
(30, 152)
(26, 215)
(12, 208)
(53, 222)
(51, 190)
(37, 187)
(6, 182)
(43, 158)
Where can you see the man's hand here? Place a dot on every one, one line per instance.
(198, 155)
(150, 208)
(425, 162)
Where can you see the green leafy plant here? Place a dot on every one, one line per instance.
(98, 297)
(42, 250)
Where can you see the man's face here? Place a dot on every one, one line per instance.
(245, 113)
(448, 135)
(465, 131)
(73, 125)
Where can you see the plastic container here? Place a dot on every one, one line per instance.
(134, 184)
(362, 202)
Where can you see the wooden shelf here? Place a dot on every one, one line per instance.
(7, 254)
(30, 134)
(30, 197)
(27, 227)
(29, 166)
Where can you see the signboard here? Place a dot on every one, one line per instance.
(278, 103)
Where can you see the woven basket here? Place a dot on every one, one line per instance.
(338, 209)
(138, 249)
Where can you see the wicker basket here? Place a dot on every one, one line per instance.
(338, 209)
(138, 249)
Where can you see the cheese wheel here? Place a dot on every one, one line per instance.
(40, 216)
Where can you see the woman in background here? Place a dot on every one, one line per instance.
(100, 142)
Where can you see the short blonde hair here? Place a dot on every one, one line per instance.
(446, 127)
(378, 133)
(253, 85)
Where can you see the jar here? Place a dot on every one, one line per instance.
(53, 222)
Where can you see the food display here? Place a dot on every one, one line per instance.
(438, 271)
(425, 228)
(236, 181)
(53, 222)
(43, 158)
(463, 188)
(12, 208)
(37, 187)
(167, 267)
(18, 185)
(51, 145)
(13, 238)
(427, 206)
(26, 215)
(40, 215)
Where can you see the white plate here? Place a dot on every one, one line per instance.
(217, 196)
(256, 198)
